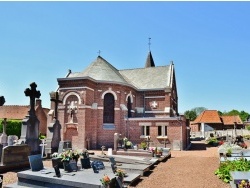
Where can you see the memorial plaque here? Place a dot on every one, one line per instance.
(36, 163)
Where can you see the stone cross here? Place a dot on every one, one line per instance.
(2, 100)
(4, 125)
(54, 97)
(165, 142)
(43, 144)
(33, 94)
(103, 148)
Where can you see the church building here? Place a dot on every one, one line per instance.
(138, 103)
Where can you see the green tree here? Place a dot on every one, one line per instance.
(198, 110)
(190, 114)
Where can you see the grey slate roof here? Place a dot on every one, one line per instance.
(150, 61)
(142, 78)
(101, 70)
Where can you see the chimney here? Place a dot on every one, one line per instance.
(38, 102)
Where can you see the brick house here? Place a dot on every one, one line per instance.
(18, 112)
(136, 103)
(210, 120)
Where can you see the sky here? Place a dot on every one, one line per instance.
(209, 43)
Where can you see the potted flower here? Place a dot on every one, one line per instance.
(85, 161)
(120, 173)
(143, 145)
(105, 181)
(57, 160)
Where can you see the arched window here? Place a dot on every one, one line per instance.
(108, 111)
(129, 106)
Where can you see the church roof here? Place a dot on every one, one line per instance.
(150, 61)
(141, 78)
(100, 70)
(148, 78)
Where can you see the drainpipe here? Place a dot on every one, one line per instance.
(144, 103)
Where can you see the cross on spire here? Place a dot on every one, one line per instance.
(54, 97)
(33, 94)
(149, 43)
(99, 52)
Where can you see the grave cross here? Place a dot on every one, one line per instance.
(165, 142)
(2, 100)
(4, 125)
(33, 94)
(54, 97)
(43, 144)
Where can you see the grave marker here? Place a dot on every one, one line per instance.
(36, 163)
(32, 123)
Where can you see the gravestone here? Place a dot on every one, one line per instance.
(32, 123)
(116, 140)
(15, 155)
(64, 145)
(177, 145)
(36, 163)
(4, 137)
(54, 128)
(12, 139)
(1, 148)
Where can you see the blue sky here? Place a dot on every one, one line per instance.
(209, 43)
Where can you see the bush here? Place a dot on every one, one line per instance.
(248, 127)
(223, 172)
(13, 127)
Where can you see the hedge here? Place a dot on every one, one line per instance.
(13, 127)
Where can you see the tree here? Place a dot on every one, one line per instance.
(198, 110)
(190, 114)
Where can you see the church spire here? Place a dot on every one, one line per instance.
(149, 61)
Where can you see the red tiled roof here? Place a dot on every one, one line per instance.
(13, 111)
(229, 120)
(208, 116)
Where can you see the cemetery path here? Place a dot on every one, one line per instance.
(187, 169)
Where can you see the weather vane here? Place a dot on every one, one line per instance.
(149, 43)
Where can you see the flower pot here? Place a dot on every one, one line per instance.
(57, 162)
(67, 166)
(85, 163)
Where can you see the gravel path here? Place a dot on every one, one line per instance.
(187, 169)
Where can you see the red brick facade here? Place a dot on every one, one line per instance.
(85, 127)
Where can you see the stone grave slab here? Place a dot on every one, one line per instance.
(239, 175)
(36, 163)
(81, 179)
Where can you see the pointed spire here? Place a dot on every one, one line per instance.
(149, 61)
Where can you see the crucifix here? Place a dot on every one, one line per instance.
(2, 100)
(54, 97)
(71, 110)
(33, 94)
